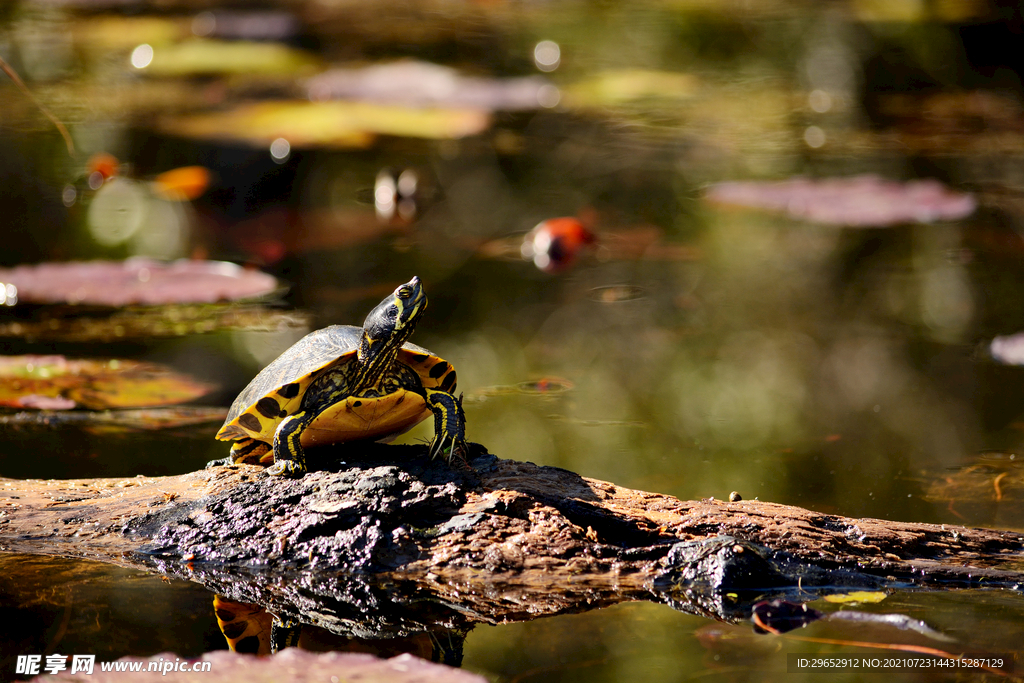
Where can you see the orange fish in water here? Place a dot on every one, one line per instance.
(554, 244)
(104, 164)
(178, 184)
(182, 184)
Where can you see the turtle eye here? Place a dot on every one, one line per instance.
(404, 292)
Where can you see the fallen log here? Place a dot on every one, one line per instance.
(386, 543)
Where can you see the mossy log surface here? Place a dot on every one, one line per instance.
(384, 529)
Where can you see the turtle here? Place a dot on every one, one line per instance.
(345, 383)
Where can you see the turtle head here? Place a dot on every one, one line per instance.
(393, 320)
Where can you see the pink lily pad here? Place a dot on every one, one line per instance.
(135, 281)
(292, 664)
(857, 201)
(421, 84)
(1008, 349)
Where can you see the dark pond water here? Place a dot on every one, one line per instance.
(693, 349)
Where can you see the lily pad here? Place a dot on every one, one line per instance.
(136, 281)
(1008, 349)
(621, 86)
(292, 664)
(329, 124)
(857, 201)
(117, 421)
(421, 84)
(64, 324)
(55, 382)
(194, 57)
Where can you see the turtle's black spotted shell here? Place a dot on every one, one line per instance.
(277, 391)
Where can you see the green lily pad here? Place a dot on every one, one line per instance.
(622, 86)
(193, 57)
(117, 421)
(329, 124)
(55, 382)
(68, 324)
(111, 32)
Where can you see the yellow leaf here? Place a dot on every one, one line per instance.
(333, 124)
(857, 596)
(622, 86)
(226, 57)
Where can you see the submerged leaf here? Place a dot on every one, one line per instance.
(991, 488)
(55, 382)
(421, 84)
(329, 124)
(136, 281)
(861, 201)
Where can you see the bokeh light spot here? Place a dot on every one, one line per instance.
(142, 56)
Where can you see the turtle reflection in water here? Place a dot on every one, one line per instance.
(345, 383)
(250, 629)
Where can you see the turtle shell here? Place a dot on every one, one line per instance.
(277, 392)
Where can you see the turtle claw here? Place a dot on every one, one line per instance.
(447, 446)
(286, 468)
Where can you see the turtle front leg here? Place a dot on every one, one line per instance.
(289, 458)
(449, 424)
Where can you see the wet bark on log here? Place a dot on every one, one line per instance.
(505, 540)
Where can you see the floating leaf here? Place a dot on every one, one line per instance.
(862, 201)
(248, 24)
(64, 324)
(193, 57)
(329, 124)
(1008, 349)
(136, 281)
(112, 421)
(621, 86)
(293, 664)
(421, 84)
(29, 381)
(857, 596)
(111, 32)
